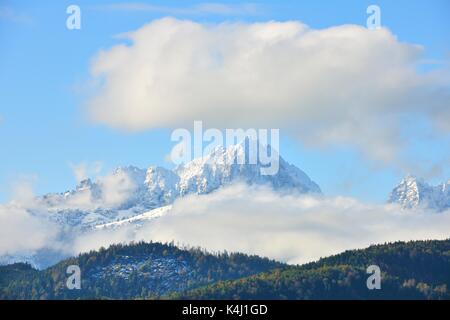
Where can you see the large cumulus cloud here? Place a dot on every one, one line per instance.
(339, 85)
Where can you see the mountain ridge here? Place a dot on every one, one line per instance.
(409, 270)
(137, 270)
(413, 193)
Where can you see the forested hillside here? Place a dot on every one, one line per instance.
(413, 270)
(142, 270)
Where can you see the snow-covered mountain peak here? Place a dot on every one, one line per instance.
(414, 192)
(413, 180)
(224, 166)
(137, 175)
(161, 185)
(156, 175)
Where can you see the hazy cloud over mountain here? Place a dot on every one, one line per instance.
(22, 232)
(255, 220)
(290, 228)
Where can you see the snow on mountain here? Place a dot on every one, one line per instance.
(161, 185)
(208, 173)
(136, 220)
(130, 191)
(413, 192)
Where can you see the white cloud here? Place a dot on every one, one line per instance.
(291, 228)
(25, 222)
(339, 85)
(84, 170)
(107, 191)
(116, 188)
(24, 225)
(79, 171)
(22, 190)
(20, 231)
(110, 191)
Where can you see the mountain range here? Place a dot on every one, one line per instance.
(131, 195)
(134, 193)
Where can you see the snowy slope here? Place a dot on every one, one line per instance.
(137, 219)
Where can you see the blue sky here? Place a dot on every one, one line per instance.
(44, 68)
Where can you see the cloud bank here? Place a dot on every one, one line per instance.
(255, 220)
(291, 228)
(26, 223)
(339, 85)
(20, 231)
